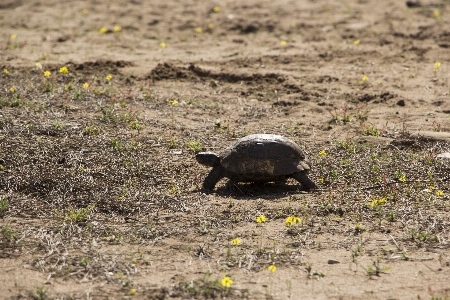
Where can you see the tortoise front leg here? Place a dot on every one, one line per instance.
(307, 183)
(213, 177)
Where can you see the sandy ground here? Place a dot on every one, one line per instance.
(331, 75)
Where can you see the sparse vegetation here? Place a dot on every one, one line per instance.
(100, 123)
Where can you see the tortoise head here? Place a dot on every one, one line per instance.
(208, 159)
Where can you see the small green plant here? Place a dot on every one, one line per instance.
(3, 207)
(91, 130)
(78, 95)
(58, 125)
(172, 143)
(41, 293)
(8, 234)
(436, 126)
(79, 215)
(205, 287)
(376, 270)
(195, 146)
(356, 253)
(391, 216)
(359, 228)
(136, 126)
(362, 114)
(117, 145)
(370, 130)
(346, 117)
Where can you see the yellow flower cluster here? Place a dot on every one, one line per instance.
(47, 73)
(437, 65)
(365, 78)
(64, 70)
(283, 43)
(440, 193)
(162, 45)
(261, 219)
(108, 77)
(236, 241)
(292, 220)
(86, 85)
(402, 178)
(377, 202)
(272, 268)
(5, 71)
(103, 30)
(356, 42)
(173, 102)
(322, 153)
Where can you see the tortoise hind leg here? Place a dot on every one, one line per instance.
(307, 183)
(213, 177)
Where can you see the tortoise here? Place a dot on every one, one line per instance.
(258, 158)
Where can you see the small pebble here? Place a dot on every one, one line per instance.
(332, 262)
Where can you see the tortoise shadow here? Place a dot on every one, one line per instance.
(268, 190)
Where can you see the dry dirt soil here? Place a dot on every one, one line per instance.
(103, 105)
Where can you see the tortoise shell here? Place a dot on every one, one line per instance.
(264, 155)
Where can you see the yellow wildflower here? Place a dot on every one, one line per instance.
(356, 42)
(436, 14)
(38, 65)
(227, 282)
(47, 73)
(291, 220)
(283, 43)
(5, 71)
(198, 30)
(322, 153)
(365, 78)
(437, 65)
(117, 28)
(173, 102)
(13, 36)
(402, 178)
(321, 179)
(103, 30)
(108, 77)
(162, 45)
(133, 292)
(210, 26)
(261, 219)
(236, 241)
(377, 202)
(431, 187)
(64, 70)
(272, 268)
(216, 9)
(85, 11)
(12, 89)
(86, 85)
(440, 193)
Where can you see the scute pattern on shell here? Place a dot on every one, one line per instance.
(264, 155)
